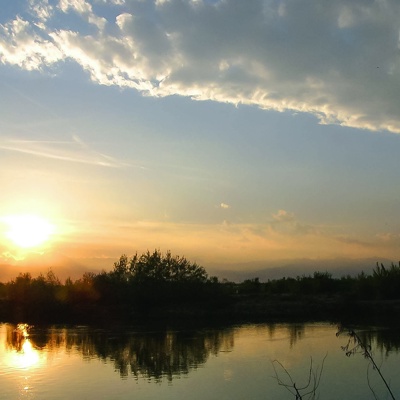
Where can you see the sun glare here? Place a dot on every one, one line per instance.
(28, 231)
(24, 355)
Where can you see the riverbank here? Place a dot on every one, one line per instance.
(258, 308)
(250, 308)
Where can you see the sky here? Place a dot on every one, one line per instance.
(231, 132)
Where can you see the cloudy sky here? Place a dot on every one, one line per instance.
(227, 131)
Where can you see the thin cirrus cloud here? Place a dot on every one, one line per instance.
(72, 151)
(337, 60)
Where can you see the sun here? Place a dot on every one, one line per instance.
(27, 231)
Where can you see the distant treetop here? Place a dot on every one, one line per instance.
(158, 267)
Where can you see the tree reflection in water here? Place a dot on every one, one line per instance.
(155, 355)
(163, 354)
(384, 341)
(23, 355)
(361, 342)
(16, 336)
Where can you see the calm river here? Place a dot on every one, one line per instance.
(231, 363)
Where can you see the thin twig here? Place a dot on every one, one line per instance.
(369, 383)
(368, 354)
(358, 344)
(314, 377)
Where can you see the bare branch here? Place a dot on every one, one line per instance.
(356, 345)
(309, 389)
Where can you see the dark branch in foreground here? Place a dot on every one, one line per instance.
(308, 389)
(356, 345)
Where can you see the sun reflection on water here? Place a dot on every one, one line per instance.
(23, 356)
(20, 361)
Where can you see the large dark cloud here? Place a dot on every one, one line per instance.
(338, 60)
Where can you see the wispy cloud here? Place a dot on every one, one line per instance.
(342, 65)
(41, 9)
(21, 44)
(243, 241)
(283, 216)
(346, 239)
(72, 151)
(286, 223)
(84, 9)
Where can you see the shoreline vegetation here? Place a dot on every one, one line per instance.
(162, 288)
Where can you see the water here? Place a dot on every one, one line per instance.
(235, 362)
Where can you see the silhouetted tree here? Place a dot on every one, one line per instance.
(158, 267)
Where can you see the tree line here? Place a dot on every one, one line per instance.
(133, 287)
(382, 284)
(154, 282)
